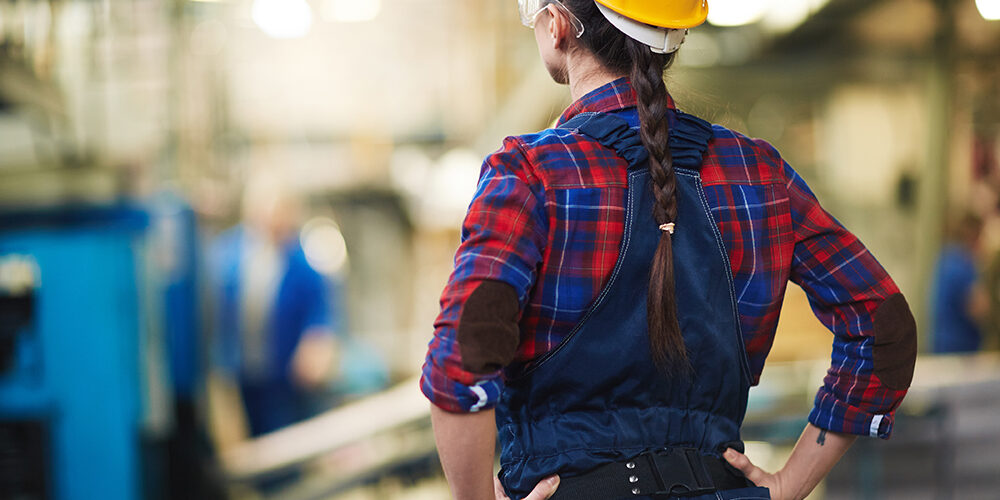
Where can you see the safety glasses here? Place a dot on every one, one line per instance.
(530, 9)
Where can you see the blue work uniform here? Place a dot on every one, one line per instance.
(955, 330)
(303, 300)
(599, 399)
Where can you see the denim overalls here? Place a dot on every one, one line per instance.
(598, 398)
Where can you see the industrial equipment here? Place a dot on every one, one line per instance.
(73, 386)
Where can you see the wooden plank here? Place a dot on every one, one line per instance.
(328, 432)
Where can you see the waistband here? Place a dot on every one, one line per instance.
(672, 472)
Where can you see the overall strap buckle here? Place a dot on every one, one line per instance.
(702, 481)
(680, 472)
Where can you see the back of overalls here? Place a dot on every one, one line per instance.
(598, 398)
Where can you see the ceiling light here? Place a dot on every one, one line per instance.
(736, 12)
(324, 245)
(282, 18)
(989, 9)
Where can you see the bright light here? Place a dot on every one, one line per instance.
(18, 274)
(282, 18)
(736, 12)
(775, 15)
(989, 9)
(324, 245)
(351, 11)
(785, 15)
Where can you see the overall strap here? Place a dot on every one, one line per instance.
(689, 137)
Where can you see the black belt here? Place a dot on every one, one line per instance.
(672, 472)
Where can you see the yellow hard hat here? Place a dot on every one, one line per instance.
(673, 14)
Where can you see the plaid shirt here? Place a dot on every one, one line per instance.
(548, 219)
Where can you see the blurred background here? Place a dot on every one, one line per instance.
(224, 226)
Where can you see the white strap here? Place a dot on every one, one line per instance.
(876, 423)
(483, 398)
(660, 40)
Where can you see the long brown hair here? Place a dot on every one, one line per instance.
(645, 69)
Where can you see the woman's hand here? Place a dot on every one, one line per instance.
(816, 452)
(314, 359)
(758, 476)
(544, 489)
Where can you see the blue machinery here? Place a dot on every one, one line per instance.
(81, 360)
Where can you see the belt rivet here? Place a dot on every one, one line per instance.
(633, 479)
(630, 465)
(635, 491)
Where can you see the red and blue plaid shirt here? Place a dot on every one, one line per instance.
(548, 219)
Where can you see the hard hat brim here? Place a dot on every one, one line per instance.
(662, 19)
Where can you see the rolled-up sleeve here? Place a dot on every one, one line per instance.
(874, 346)
(503, 237)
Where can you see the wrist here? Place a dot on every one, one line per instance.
(781, 488)
(790, 485)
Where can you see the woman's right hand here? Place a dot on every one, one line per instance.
(816, 452)
(755, 474)
(544, 489)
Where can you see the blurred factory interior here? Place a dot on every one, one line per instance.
(143, 141)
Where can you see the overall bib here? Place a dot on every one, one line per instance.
(598, 399)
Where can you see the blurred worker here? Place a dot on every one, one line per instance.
(275, 317)
(959, 303)
(619, 283)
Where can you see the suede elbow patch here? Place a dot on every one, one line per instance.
(895, 351)
(488, 332)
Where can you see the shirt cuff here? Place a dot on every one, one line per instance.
(834, 415)
(456, 397)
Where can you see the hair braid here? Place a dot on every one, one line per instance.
(625, 56)
(666, 342)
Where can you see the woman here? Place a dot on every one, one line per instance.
(619, 282)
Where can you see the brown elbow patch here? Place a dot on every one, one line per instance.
(488, 333)
(895, 349)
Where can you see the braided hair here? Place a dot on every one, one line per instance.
(623, 55)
